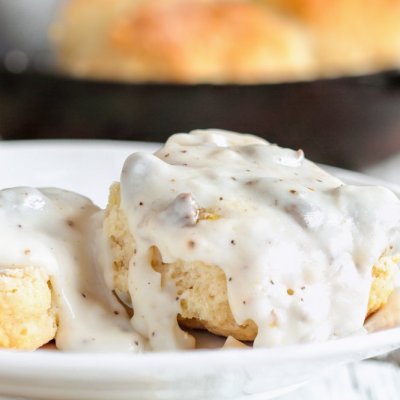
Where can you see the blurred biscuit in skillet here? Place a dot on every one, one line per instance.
(180, 41)
(226, 41)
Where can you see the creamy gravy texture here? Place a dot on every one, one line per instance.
(296, 243)
(52, 229)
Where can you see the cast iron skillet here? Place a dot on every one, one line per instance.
(350, 122)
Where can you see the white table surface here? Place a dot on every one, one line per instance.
(368, 380)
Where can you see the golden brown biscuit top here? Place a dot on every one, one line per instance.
(223, 41)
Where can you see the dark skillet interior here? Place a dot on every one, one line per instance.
(349, 122)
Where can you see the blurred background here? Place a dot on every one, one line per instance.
(311, 74)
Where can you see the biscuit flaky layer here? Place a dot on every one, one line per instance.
(227, 41)
(27, 316)
(202, 288)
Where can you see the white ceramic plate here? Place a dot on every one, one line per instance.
(89, 168)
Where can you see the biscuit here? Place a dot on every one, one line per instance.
(180, 41)
(226, 41)
(202, 288)
(27, 316)
(349, 36)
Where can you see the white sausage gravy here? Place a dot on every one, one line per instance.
(297, 244)
(53, 229)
